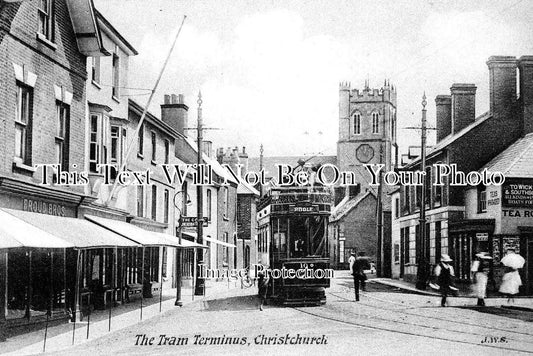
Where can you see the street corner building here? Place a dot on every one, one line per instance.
(71, 240)
(462, 221)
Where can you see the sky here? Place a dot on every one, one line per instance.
(269, 71)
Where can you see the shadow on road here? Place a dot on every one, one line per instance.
(248, 302)
(503, 311)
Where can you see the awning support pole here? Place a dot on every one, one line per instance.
(50, 299)
(76, 295)
(30, 288)
(142, 282)
(3, 293)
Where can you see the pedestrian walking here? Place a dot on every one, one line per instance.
(445, 274)
(480, 275)
(262, 289)
(359, 265)
(511, 280)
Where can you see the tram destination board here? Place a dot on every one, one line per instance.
(192, 221)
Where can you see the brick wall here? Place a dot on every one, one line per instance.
(62, 66)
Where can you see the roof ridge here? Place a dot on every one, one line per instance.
(514, 161)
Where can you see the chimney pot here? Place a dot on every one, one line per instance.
(167, 99)
(443, 116)
(463, 105)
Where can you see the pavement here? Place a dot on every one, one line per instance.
(60, 337)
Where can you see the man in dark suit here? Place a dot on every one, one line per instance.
(359, 266)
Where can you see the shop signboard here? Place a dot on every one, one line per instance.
(517, 193)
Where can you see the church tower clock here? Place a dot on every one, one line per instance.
(367, 129)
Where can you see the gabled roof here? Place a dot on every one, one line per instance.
(516, 160)
(246, 189)
(112, 32)
(451, 138)
(347, 204)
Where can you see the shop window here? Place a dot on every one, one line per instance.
(396, 208)
(396, 252)
(438, 242)
(23, 124)
(341, 251)
(164, 262)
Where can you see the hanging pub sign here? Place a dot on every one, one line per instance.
(517, 193)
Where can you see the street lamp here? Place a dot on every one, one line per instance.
(178, 302)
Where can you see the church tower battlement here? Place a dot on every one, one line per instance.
(367, 127)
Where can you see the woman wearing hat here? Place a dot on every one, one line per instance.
(444, 272)
(480, 270)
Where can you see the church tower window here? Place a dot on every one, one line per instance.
(375, 123)
(357, 124)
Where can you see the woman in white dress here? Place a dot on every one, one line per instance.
(480, 269)
(511, 280)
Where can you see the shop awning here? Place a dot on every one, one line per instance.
(82, 234)
(15, 232)
(134, 233)
(215, 241)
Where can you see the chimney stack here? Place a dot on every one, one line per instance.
(444, 116)
(463, 106)
(525, 66)
(502, 82)
(174, 112)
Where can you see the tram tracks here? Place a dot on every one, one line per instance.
(376, 322)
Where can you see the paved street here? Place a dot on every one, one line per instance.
(385, 321)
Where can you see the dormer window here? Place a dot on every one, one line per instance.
(46, 20)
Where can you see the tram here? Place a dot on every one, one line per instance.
(293, 235)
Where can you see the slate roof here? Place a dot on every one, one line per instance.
(347, 204)
(448, 140)
(516, 160)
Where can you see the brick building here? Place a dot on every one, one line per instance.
(42, 118)
(470, 142)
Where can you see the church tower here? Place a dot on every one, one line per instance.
(367, 129)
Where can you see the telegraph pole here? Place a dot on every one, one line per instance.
(200, 283)
(422, 272)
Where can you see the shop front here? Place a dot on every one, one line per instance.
(467, 238)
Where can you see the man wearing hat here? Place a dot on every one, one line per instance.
(480, 270)
(444, 272)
